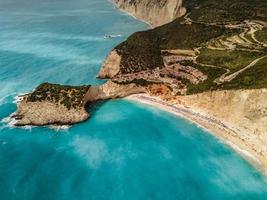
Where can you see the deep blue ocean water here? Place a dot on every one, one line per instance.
(126, 150)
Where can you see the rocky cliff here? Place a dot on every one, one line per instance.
(190, 55)
(64, 105)
(46, 112)
(111, 66)
(111, 90)
(154, 12)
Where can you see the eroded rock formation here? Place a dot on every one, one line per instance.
(42, 113)
(155, 12)
(54, 104)
(111, 65)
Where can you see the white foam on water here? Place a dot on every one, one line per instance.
(18, 98)
(60, 128)
(9, 122)
(27, 127)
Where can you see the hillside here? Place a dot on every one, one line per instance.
(216, 45)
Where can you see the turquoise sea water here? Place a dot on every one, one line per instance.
(126, 150)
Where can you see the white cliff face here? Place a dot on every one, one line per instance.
(154, 12)
(111, 90)
(111, 65)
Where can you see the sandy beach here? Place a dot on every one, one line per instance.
(220, 129)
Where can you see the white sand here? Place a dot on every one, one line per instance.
(211, 125)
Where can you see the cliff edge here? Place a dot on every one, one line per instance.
(65, 105)
(155, 13)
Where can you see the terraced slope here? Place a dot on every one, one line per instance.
(216, 45)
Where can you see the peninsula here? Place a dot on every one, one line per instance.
(203, 60)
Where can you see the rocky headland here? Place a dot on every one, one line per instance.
(210, 64)
(54, 104)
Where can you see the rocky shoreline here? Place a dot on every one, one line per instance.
(238, 117)
(41, 112)
(126, 72)
(241, 115)
(47, 113)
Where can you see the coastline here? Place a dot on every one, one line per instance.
(130, 14)
(226, 131)
(210, 125)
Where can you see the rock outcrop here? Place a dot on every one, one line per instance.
(111, 90)
(111, 66)
(142, 55)
(68, 104)
(45, 113)
(52, 104)
(155, 12)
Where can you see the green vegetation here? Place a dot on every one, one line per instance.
(139, 52)
(246, 80)
(233, 60)
(262, 35)
(228, 11)
(178, 35)
(142, 50)
(204, 25)
(69, 96)
(253, 78)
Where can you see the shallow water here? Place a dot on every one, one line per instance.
(126, 150)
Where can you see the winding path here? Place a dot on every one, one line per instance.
(229, 78)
